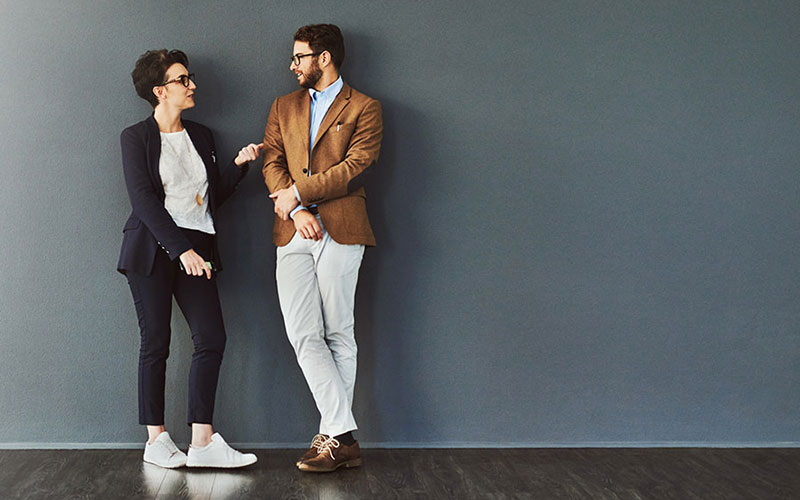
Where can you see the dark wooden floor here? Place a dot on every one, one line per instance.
(678, 473)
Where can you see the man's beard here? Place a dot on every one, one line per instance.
(312, 77)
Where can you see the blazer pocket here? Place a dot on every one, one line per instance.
(342, 136)
(344, 128)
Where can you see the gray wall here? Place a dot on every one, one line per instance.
(586, 214)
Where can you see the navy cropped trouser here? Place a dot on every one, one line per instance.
(198, 299)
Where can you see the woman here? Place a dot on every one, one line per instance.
(169, 249)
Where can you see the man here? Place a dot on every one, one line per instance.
(319, 144)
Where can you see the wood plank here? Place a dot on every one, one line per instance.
(498, 474)
(273, 476)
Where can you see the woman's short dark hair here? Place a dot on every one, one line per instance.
(322, 37)
(151, 70)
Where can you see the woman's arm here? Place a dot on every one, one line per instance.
(234, 171)
(144, 200)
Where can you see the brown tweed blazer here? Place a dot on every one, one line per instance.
(346, 148)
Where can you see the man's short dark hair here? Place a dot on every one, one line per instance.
(322, 37)
(151, 70)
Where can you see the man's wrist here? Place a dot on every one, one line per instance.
(295, 210)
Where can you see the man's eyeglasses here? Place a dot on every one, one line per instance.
(296, 58)
(184, 79)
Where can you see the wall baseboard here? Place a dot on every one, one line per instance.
(433, 445)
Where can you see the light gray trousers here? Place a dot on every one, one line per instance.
(316, 288)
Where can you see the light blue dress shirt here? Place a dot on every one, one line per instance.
(320, 104)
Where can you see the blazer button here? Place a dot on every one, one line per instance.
(305, 170)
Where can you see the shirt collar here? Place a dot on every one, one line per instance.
(330, 91)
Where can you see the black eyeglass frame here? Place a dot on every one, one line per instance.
(183, 79)
(296, 59)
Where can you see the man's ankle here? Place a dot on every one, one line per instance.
(346, 438)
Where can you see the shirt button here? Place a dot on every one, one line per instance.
(305, 170)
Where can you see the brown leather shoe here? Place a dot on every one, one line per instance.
(314, 450)
(333, 455)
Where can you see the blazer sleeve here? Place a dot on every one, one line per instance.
(230, 175)
(144, 200)
(349, 174)
(275, 170)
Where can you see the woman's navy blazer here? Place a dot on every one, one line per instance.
(150, 225)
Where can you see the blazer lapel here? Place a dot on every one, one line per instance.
(298, 112)
(333, 112)
(154, 154)
(305, 120)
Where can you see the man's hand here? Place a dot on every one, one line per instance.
(193, 264)
(307, 225)
(285, 202)
(248, 153)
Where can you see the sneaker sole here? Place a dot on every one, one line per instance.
(347, 465)
(218, 466)
(175, 466)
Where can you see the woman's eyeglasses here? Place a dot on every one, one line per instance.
(184, 79)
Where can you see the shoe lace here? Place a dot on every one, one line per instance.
(317, 442)
(328, 446)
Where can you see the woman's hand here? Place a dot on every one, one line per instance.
(194, 264)
(248, 153)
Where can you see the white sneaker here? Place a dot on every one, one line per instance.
(218, 454)
(163, 452)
